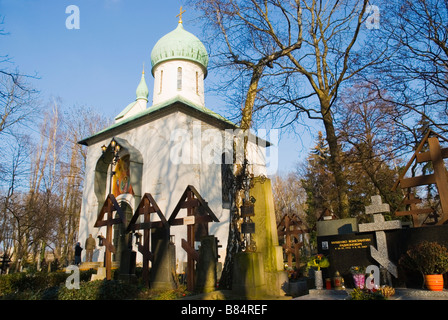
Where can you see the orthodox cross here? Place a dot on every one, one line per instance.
(109, 207)
(147, 206)
(289, 228)
(380, 253)
(198, 216)
(180, 14)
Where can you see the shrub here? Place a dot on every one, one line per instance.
(99, 290)
(364, 294)
(30, 286)
(426, 257)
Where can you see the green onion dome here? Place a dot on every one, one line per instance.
(179, 44)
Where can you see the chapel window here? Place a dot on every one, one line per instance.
(197, 83)
(161, 81)
(179, 78)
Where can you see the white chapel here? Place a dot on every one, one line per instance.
(165, 146)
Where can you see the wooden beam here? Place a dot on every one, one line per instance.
(417, 181)
(190, 251)
(415, 211)
(190, 203)
(426, 156)
(408, 165)
(440, 174)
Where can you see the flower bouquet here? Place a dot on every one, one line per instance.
(359, 276)
(318, 261)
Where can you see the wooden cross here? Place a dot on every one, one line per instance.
(147, 206)
(109, 206)
(436, 154)
(180, 14)
(290, 228)
(411, 201)
(198, 213)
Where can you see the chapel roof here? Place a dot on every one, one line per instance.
(166, 107)
(179, 44)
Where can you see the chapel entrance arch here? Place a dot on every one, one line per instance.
(127, 184)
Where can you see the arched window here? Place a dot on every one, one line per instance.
(197, 83)
(179, 78)
(161, 81)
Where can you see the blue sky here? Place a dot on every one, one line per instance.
(99, 64)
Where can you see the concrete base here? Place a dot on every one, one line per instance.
(90, 265)
(277, 283)
(248, 275)
(100, 275)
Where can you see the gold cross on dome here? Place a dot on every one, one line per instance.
(180, 14)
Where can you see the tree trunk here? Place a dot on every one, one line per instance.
(335, 161)
(234, 241)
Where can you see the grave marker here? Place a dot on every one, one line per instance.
(380, 253)
(436, 156)
(198, 216)
(147, 206)
(109, 207)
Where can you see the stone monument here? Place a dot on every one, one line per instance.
(380, 253)
(262, 272)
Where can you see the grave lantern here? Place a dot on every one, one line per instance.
(100, 240)
(337, 281)
(248, 226)
(138, 238)
(247, 211)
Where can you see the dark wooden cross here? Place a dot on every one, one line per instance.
(109, 207)
(290, 229)
(436, 154)
(198, 216)
(147, 206)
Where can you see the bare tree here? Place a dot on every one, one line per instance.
(14, 172)
(416, 75)
(320, 54)
(17, 97)
(17, 104)
(296, 56)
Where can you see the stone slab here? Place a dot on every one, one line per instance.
(379, 224)
(339, 226)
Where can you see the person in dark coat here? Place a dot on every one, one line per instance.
(78, 251)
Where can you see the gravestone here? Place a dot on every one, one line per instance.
(344, 251)
(266, 238)
(163, 266)
(206, 268)
(380, 253)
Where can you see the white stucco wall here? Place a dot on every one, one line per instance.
(169, 88)
(177, 150)
(162, 177)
